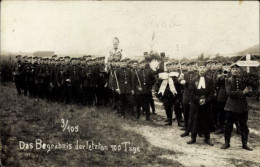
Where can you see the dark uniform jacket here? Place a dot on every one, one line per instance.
(124, 78)
(18, 68)
(74, 74)
(188, 77)
(236, 101)
(146, 79)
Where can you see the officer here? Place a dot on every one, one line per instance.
(236, 106)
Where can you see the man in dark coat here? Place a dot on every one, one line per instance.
(125, 89)
(237, 106)
(74, 77)
(143, 81)
(222, 96)
(201, 94)
(18, 71)
(187, 79)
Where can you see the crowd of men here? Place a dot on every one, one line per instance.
(206, 96)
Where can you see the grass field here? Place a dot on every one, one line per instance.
(25, 119)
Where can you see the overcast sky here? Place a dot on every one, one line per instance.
(182, 29)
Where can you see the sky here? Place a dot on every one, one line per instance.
(180, 29)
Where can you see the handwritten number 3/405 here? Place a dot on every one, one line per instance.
(65, 125)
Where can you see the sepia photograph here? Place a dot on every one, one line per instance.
(129, 83)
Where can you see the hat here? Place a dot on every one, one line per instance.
(17, 56)
(145, 53)
(234, 65)
(227, 63)
(60, 58)
(67, 57)
(29, 57)
(35, 57)
(25, 56)
(54, 56)
(162, 54)
(202, 63)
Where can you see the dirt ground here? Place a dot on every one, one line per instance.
(199, 154)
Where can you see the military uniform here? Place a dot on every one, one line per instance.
(237, 108)
(143, 81)
(124, 78)
(188, 77)
(18, 75)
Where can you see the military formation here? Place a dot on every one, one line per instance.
(205, 96)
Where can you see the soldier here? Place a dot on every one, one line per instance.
(188, 77)
(102, 91)
(151, 100)
(201, 94)
(46, 70)
(30, 76)
(55, 79)
(74, 77)
(18, 70)
(143, 81)
(65, 80)
(236, 106)
(222, 96)
(124, 81)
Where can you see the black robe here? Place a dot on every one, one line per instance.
(201, 118)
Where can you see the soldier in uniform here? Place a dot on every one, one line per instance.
(30, 77)
(236, 106)
(143, 81)
(18, 70)
(102, 78)
(222, 96)
(201, 94)
(125, 89)
(74, 77)
(187, 79)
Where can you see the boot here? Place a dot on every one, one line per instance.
(225, 146)
(180, 124)
(185, 134)
(169, 123)
(193, 140)
(207, 141)
(244, 137)
(245, 146)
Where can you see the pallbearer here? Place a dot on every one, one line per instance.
(143, 81)
(201, 94)
(123, 79)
